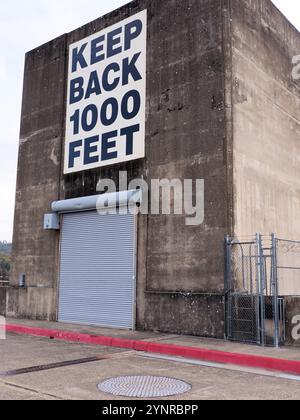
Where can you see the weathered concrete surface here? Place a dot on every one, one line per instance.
(218, 108)
(266, 121)
(35, 251)
(185, 138)
(185, 314)
(187, 120)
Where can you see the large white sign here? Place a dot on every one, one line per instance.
(105, 122)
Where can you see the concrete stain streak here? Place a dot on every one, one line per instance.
(36, 133)
(54, 158)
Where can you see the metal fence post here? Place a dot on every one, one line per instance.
(262, 290)
(275, 291)
(228, 287)
(258, 287)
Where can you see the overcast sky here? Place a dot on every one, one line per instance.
(25, 25)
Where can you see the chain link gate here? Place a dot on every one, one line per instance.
(287, 266)
(254, 312)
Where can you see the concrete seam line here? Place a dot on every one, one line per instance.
(269, 363)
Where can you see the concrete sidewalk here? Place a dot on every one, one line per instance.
(290, 353)
(283, 360)
(79, 382)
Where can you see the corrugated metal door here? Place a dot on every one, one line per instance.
(97, 273)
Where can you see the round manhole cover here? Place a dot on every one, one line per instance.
(144, 386)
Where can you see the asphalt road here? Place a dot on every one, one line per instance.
(69, 381)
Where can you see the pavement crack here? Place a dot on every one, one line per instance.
(33, 391)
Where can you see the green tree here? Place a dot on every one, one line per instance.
(5, 250)
(5, 247)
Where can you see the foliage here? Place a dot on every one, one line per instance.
(5, 250)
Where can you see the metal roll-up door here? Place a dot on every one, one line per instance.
(97, 272)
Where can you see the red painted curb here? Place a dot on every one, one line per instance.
(253, 361)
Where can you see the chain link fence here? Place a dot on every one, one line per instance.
(288, 280)
(263, 290)
(242, 291)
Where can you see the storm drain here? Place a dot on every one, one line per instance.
(144, 386)
(40, 368)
